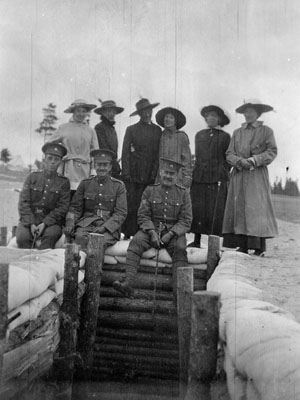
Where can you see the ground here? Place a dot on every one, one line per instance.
(277, 273)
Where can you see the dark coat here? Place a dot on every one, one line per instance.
(140, 153)
(95, 201)
(107, 139)
(171, 206)
(44, 198)
(210, 148)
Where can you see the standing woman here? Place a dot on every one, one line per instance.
(249, 217)
(210, 175)
(174, 143)
(79, 139)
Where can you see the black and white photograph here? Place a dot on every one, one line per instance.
(149, 200)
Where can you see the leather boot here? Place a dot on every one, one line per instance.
(174, 282)
(125, 286)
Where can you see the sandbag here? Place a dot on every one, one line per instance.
(30, 309)
(261, 341)
(196, 256)
(58, 288)
(25, 284)
(118, 249)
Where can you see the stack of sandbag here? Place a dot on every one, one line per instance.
(261, 341)
(35, 279)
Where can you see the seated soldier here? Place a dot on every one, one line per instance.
(164, 217)
(99, 204)
(44, 202)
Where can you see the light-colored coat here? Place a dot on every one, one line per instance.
(249, 210)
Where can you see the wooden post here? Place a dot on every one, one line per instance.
(213, 254)
(3, 311)
(64, 364)
(203, 344)
(90, 303)
(13, 231)
(185, 285)
(3, 236)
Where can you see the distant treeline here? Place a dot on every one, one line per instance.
(290, 188)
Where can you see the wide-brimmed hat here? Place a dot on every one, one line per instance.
(141, 105)
(256, 105)
(169, 164)
(224, 120)
(179, 116)
(79, 103)
(55, 149)
(104, 155)
(108, 104)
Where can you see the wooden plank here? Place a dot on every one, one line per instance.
(137, 335)
(64, 364)
(135, 350)
(185, 285)
(136, 305)
(90, 303)
(213, 254)
(144, 321)
(108, 291)
(203, 344)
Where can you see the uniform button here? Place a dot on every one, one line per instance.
(100, 204)
(44, 198)
(166, 204)
(167, 192)
(100, 194)
(45, 191)
(101, 184)
(47, 185)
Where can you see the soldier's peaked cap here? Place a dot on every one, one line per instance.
(54, 149)
(104, 155)
(170, 165)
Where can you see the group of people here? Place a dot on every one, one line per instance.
(156, 195)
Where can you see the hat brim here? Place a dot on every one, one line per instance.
(100, 109)
(179, 117)
(51, 144)
(224, 120)
(260, 108)
(153, 105)
(88, 107)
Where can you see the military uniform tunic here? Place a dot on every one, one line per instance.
(172, 207)
(98, 203)
(45, 198)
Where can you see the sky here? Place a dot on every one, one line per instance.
(182, 53)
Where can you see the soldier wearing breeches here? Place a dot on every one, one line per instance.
(164, 217)
(44, 202)
(99, 204)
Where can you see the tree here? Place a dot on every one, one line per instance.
(291, 188)
(277, 187)
(5, 156)
(47, 126)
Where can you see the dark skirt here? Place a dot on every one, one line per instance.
(243, 241)
(208, 202)
(134, 196)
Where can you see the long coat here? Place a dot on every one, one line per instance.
(210, 177)
(79, 140)
(249, 210)
(108, 139)
(140, 153)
